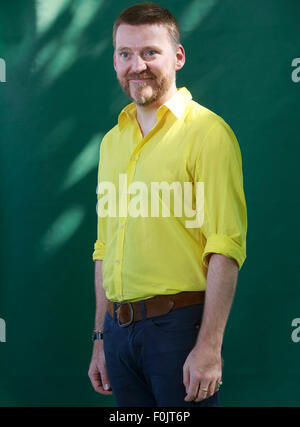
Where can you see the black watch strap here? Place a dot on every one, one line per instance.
(98, 335)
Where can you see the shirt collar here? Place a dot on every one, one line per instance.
(176, 104)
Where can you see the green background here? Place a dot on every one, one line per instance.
(59, 98)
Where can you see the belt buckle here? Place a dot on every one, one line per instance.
(124, 325)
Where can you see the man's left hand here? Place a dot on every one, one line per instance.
(202, 372)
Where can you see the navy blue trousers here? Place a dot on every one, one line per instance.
(145, 360)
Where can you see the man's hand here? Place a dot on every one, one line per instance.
(203, 366)
(97, 370)
(202, 370)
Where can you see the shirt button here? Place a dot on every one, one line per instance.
(119, 296)
(122, 226)
(117, 261)
(133, 158)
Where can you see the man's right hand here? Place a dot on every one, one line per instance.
(97, 370)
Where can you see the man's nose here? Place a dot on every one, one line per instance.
(138, 64)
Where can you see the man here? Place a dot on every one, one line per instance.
(167, 287)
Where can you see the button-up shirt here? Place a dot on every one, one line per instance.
(155, 243)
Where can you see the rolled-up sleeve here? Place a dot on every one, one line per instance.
(99, 246)
(219, 166)
(99, 250)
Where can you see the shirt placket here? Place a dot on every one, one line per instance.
(130, 173)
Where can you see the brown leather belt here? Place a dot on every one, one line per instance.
(128, 312)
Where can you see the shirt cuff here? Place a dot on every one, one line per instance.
(99, 251)
(225, 245)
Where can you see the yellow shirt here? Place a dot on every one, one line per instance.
(144, 256)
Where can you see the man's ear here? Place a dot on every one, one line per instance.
(114, 58)
(180, 57)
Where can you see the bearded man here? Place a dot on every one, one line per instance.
(164, 289)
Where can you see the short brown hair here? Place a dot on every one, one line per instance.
(148, 13)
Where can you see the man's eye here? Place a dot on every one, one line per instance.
(124, 54)
(151, 52)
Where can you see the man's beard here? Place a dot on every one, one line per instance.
(159, 85)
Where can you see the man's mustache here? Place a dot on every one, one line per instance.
(139, 76)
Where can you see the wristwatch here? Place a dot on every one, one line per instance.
(97, 335)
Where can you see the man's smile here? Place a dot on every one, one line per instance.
(140, 80)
